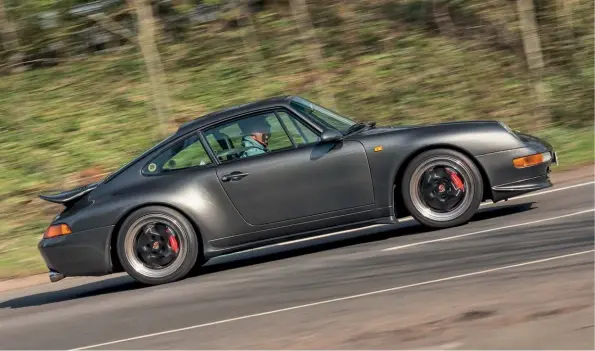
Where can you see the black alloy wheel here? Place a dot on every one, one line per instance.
(442, 188)
(157, 245)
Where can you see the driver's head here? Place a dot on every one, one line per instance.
(260, 130)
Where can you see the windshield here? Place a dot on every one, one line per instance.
(321, 115)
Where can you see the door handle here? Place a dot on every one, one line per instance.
(233, 176)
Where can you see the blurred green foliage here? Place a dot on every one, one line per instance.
(387, 61)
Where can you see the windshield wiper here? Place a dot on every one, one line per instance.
(359, 126)
(355, 127)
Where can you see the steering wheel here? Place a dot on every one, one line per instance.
(230, 152)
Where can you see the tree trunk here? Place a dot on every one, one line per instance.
(314, 51)
(146, 40)
(10, 40)
(250, 38)
(566, 30)
(533, 53)
(442, 18)
(564, 13)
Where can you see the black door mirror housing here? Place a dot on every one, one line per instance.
(331, 136)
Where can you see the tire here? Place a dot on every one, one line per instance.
(152, 226)
(420, 176)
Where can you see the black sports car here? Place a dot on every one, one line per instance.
(275, 169)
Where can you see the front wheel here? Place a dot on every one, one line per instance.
(157, 245)
(442, 188)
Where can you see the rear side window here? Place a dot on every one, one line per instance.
(186, 153)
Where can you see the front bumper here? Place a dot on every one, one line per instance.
(524, 186)
(507, 181)
(85, 253)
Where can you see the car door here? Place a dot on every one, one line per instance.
(297, 178)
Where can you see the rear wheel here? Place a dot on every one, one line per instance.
(442, 188)
(157, 245)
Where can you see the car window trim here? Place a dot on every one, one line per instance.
(314, 127)
(256, 156)
(296, 118)
(295, 100)
(165, 143)
(202, 131)
(316, 119)
(305, 119)
(250, 114)
(318, 128)
(285, 129)
(298, 128)
(210, 152)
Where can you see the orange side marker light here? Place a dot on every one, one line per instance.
(57, 230)
(531, 160)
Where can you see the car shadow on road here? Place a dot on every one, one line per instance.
(249, 258)
(103, 287)
(244, 259)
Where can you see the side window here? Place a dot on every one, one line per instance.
(298, 131)
(188, 152)
(247, 137)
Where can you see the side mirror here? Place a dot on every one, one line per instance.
(330, 136)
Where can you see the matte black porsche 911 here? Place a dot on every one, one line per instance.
(276, 169)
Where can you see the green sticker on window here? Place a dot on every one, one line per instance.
(152, 167)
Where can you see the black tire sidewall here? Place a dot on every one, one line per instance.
(474, 174)
(189, 237)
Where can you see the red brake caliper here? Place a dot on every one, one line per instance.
(454, 177)
(173, 243)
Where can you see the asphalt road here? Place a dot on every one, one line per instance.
(519, 276)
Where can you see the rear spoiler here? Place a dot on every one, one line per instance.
(69, 196)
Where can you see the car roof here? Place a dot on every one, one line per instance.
(226, 113)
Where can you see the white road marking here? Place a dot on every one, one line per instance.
(329, 234)
(324, 302)
(449, 346)
(553, 190)
(487, 230)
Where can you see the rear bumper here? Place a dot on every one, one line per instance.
(85, 253)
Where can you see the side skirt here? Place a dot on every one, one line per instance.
(385, 222)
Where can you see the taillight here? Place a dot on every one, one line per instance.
(56, 230)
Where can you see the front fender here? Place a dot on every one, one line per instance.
(400, 146)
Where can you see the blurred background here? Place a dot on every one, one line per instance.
(85, 86)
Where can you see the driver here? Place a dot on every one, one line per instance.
(257, 139)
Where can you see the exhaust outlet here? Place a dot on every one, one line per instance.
(55, 276)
